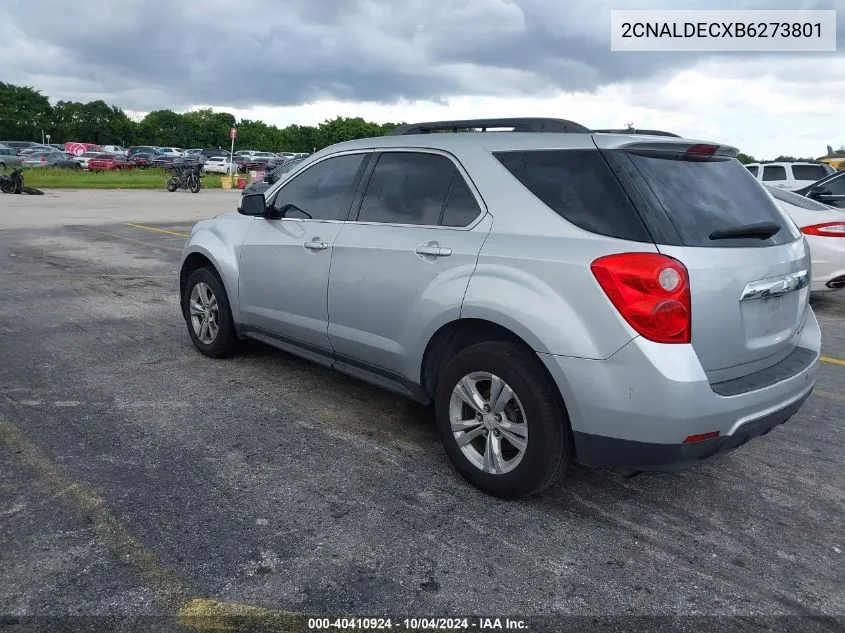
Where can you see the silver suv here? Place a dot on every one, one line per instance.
(557, 294)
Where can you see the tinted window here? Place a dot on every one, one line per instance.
(702, 196)
(797, 200)
(324, 191)
(753, 169)
(7, 151)
(579, 186)
(461, 207)
(808, 172)
(774, 172)
(835, 186)
(408, 188)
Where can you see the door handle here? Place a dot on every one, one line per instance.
(316, 245)
(433, 249)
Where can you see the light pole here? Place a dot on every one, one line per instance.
(48, 139)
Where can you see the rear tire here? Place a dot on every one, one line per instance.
(534, 413)
(172, 186)
(203, 297)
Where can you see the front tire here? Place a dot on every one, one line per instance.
(172, 186)
(205, 307)
(501, 420)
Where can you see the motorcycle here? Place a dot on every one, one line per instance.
(13, 183)
(185, 178)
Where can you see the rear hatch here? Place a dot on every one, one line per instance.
(748, 264)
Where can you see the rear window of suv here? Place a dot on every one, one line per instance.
(808, 172)
(579, 186)
(702, 196)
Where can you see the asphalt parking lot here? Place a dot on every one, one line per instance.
(139, 478)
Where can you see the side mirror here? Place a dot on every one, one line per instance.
(253, 204)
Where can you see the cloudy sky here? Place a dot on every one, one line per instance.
(302, 61)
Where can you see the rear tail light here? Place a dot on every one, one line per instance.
(828, 229)
(650, 291)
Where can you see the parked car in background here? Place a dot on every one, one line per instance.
(171, 151)
(192, 152)
(163, 161)
(824, 228)
(84, 158)
(617, 300)
(220, 165)
(114, 149)
(64, 160)
(208, 152)
(110, 162)
(829, 190)
(141, 159)
(789, 176)
(147, 149)
(9, 158)
(32, 149)
(272, 177)
(18, 145)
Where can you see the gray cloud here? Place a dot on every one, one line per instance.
(145, 54)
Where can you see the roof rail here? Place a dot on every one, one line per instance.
(518, 124)
(638, 132)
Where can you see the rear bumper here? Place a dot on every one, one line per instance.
(636, 408)
(597, 450)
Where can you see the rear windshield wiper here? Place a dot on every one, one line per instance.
(759, 231)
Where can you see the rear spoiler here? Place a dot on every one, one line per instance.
(665, 145)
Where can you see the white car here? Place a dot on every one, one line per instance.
(84, 157)
(219, 165)
(824, 228)
(171, 151)
(789, 176)
(114, 149)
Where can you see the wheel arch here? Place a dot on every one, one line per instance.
(459, 334)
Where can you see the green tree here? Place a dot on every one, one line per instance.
(24, 113)
(745, 158)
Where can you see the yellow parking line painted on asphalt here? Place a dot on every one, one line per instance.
(156, 229)
(835, 361)
(829, 395)
(210, 615)
(199, 614)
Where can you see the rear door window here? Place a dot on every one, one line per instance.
(408, 188)
(579, 186)
(808, 172)
(702, 196)
(774, 172)
(753, 169)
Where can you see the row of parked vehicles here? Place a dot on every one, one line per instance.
(93, 157)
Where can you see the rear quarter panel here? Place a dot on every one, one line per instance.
(533, 275)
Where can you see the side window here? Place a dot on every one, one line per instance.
(322, 192)
(774, 172)
(753, 169)
(461, 207)
(836, 186)
(408, 188)
(580, 187)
